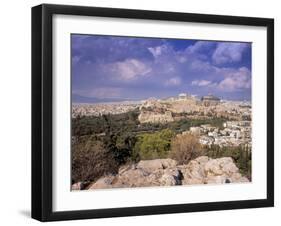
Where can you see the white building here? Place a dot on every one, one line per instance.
(183, 96)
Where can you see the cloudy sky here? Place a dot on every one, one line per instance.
(138, 68)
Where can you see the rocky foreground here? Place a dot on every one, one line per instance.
(167, 172)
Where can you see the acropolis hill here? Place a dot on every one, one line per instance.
(155, 110)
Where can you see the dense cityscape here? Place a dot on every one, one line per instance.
(236, 130)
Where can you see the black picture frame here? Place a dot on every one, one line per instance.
(42, 111)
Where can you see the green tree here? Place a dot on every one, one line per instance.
(153, 145)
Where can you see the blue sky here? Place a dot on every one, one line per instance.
(139, 68)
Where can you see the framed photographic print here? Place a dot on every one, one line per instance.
(145, 112)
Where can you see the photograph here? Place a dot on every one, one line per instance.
(156, 111)
(145, 112)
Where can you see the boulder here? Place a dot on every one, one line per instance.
(166, 172)
(220, 179)
(79, 186)
(132, 178)
(212, 167)
(171, 177)
(202, 159)
(104, 182)
(193, 173)
(156, 164)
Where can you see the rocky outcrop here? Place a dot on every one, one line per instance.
(204, 170)
(156, 164)
(155, 117)
(79, 186)
(166, 172)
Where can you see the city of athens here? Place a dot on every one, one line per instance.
(150, 112)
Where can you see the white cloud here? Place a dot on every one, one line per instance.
(228, 52)
(240, 79)
(162, 51)
(201, 83)
(203, 66)
(175, 81)
(130, 69)
(234, 80)
(156, 51)
(199, 65)
(200, 46)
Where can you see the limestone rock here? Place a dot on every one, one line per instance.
(132, 178)
(171, 177)
(219, 179)
(156, 164)
(166, 172)
(155, 117)
(104, 182)
(79, 186)
(193, 173)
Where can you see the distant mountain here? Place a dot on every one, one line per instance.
(81, 99)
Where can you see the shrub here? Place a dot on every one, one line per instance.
(153, 145)
(185, 148)
(120, 146)
(90, 160)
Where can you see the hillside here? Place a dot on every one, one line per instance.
(167, 172)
